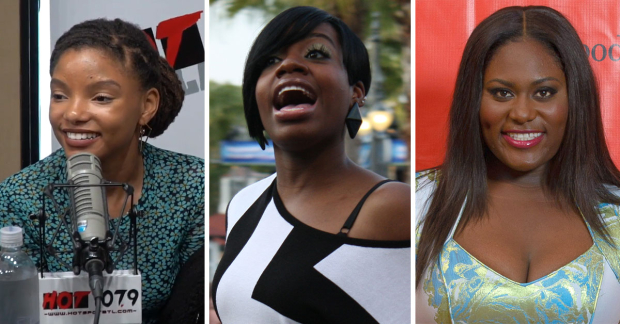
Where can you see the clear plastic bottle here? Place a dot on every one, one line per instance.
(19, 282)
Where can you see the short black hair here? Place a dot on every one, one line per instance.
(287, 28)
(129, 44)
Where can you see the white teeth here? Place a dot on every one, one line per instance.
(81, 136)
(296, 88)
(524, 136)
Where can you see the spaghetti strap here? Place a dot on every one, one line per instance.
(344, 231)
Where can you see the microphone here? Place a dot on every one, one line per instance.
(89, 216)
(89, 210)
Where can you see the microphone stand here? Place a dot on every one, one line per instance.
(40, 217)
(92, 256)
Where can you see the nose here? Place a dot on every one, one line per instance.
(76, 111)
(523, 110)
(291, 64)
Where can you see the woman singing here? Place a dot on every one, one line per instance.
(322, 240)
(520, 223)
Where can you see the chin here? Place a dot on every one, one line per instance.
(297, 144)
(525, 167)
(291, 135)
(291, 144)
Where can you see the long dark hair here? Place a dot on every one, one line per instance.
(576, 175)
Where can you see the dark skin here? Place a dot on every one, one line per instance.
(94, 93)
(322, 191)
(526, 233)
(318, 184)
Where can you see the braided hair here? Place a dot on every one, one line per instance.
(130, 46)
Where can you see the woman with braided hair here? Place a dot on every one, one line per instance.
(110, 91)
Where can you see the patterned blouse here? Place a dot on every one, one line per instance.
(458, 288)
(170, 229)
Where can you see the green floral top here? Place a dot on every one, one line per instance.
(170, 229)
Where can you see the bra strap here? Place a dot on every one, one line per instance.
(344, 231)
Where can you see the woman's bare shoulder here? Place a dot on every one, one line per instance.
(387, 212)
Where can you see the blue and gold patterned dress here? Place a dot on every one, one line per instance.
(460, 289)
(170, 230)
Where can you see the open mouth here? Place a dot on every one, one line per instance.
(292, 96)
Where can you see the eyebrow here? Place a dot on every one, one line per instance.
(57, 82)
(92, 85)
(539, 81)
(311, 35)
(510, 84)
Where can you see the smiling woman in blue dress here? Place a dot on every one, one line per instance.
(520, 223)
(324, 240)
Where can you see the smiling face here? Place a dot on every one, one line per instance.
(303, 93)
(524, 105)
(96, 105)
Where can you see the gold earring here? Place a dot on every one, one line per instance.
(141, 142)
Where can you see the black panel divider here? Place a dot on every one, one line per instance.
(29, 81)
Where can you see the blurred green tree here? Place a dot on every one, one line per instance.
(395, 34)
(225, 112)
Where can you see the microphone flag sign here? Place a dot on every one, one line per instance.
(65, 298)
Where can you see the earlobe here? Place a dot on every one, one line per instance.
(150, 106)
(359, 94)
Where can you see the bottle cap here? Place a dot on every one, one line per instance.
(11, 237)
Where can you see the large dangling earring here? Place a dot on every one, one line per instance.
(353, 120)
(144, 134)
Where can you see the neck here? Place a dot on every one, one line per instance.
(127, 167)
(528, 187)
(311, 168)
(499, 172)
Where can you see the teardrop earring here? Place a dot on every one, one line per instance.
(353, 120)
